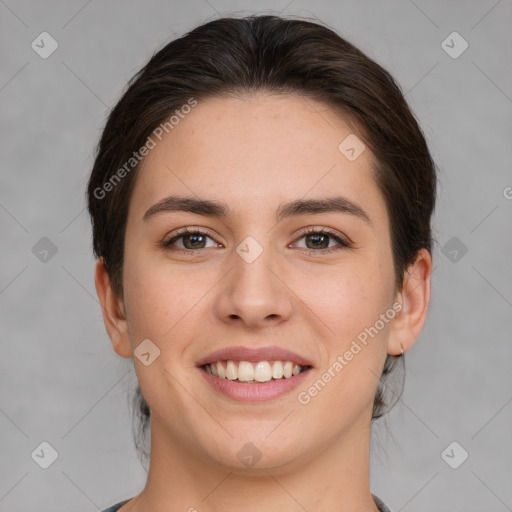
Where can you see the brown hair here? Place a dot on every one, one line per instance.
(231, 56)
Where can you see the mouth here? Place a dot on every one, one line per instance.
(254, 373)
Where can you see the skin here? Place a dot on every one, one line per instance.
(255, 152)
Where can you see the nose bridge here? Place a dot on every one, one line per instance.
(254, 291)
(253, 274)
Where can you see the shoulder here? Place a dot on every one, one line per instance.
(382, 506)
(116, 507)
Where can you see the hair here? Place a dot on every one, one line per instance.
(237, 56)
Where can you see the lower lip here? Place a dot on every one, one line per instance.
(259, 392)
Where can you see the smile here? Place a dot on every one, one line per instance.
(254, 373)
(250, 374)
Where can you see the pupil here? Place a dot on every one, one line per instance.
(316, 237)
(188, 238)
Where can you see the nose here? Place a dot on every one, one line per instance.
(254, 293)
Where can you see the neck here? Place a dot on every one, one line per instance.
(336, 478)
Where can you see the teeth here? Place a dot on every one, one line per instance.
(231, 371)
(264, 371)
(220, 370)
(277, 370)
(245, 371)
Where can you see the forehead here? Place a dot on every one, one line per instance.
(257, 150)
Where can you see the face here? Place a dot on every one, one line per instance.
(306, 279)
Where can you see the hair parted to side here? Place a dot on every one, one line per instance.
(238, 56)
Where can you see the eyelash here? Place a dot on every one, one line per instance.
(309, 231)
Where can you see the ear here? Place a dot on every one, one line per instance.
(113, 312)
(414, 299)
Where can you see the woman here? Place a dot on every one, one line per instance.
(261, 202)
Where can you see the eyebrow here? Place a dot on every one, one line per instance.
(214, 208)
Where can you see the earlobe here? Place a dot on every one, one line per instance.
(414, 299)
(113, 311)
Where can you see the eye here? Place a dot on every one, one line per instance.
(318, 241)
(190, 240)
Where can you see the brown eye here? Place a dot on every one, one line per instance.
(190, 240)
(320, 241)
(195, 241)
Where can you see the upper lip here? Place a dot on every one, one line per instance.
(253, 355)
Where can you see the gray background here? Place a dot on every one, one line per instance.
(61, 382)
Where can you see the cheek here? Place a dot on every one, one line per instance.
(159, 297)
(350, 304)
(349, 299)
(164, 306)
(169, 303)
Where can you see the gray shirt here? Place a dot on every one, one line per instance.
(382, 506)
